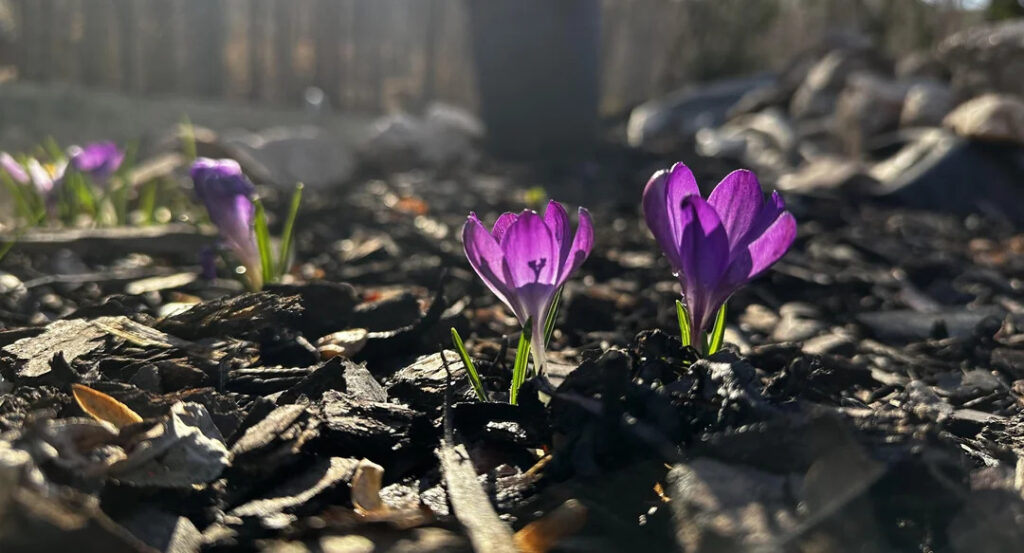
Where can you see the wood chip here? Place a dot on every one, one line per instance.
(470, 503)
(158, 283)
(104, 408)
(177, 241)
(72, 338)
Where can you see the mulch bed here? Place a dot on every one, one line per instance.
(870, 398)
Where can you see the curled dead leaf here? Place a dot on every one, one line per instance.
(544, 533)
(368, 505)
(345, 343)
(366, 484)
(104, 408)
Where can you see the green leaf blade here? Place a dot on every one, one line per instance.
(287, 235)
(521, 362)
(263, 242)
(717, 332)
(683, 316)
(467, 361)
(549, 323)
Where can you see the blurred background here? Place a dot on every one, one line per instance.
(376, 56)
(812, 94)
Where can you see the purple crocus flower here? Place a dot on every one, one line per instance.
(715, 246)
(524, 259)
(45, 178)
(99, 160)
(227, 194)
(13, 168)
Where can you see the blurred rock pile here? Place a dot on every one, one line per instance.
(938, 129)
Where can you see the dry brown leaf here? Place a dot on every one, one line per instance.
(104, 408)
(544, 533)
(366, 484)
(370, 507)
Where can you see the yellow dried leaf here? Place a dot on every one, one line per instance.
(104, 408)
(542, 534)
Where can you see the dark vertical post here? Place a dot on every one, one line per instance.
(537, 66)
(128, 45)
(96, 55)
(159, 42)
(284, 62)
(327, 68)
(42, 40)
(258, 21)
(205, 30)
(432, 35)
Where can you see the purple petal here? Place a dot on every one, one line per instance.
(530, 251)
(488, 260)
(99, 159)
(580, 248)
(658, 219)
(234, 216)
(557, 221)
(770, 211)
(533, 258)
(681, 184)
(13, 168)
(762, 252)
(501, 225)
(738, 199)
(219, 176)
(705, 256)
(661, 200)
(772, 245)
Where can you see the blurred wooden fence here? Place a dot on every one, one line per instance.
(367, 54)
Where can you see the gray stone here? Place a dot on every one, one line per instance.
(818, 93)
(794, 328)
(758, 318)
(867, 106)
(986, 58)
(312, 155)
(922, 64)
(823, 175)
(904, 325)
(926, 104)
(444, 135)
(764, 141)
(931, 172)
(664, 123)
(991, 117)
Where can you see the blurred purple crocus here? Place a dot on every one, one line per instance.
(227, 194)
(13, 168)
(715, 246)
(45, 178)
(99, 160)
(524, 259)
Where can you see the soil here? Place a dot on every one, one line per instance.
(870, 397)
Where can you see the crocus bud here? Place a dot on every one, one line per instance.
(227, 195)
